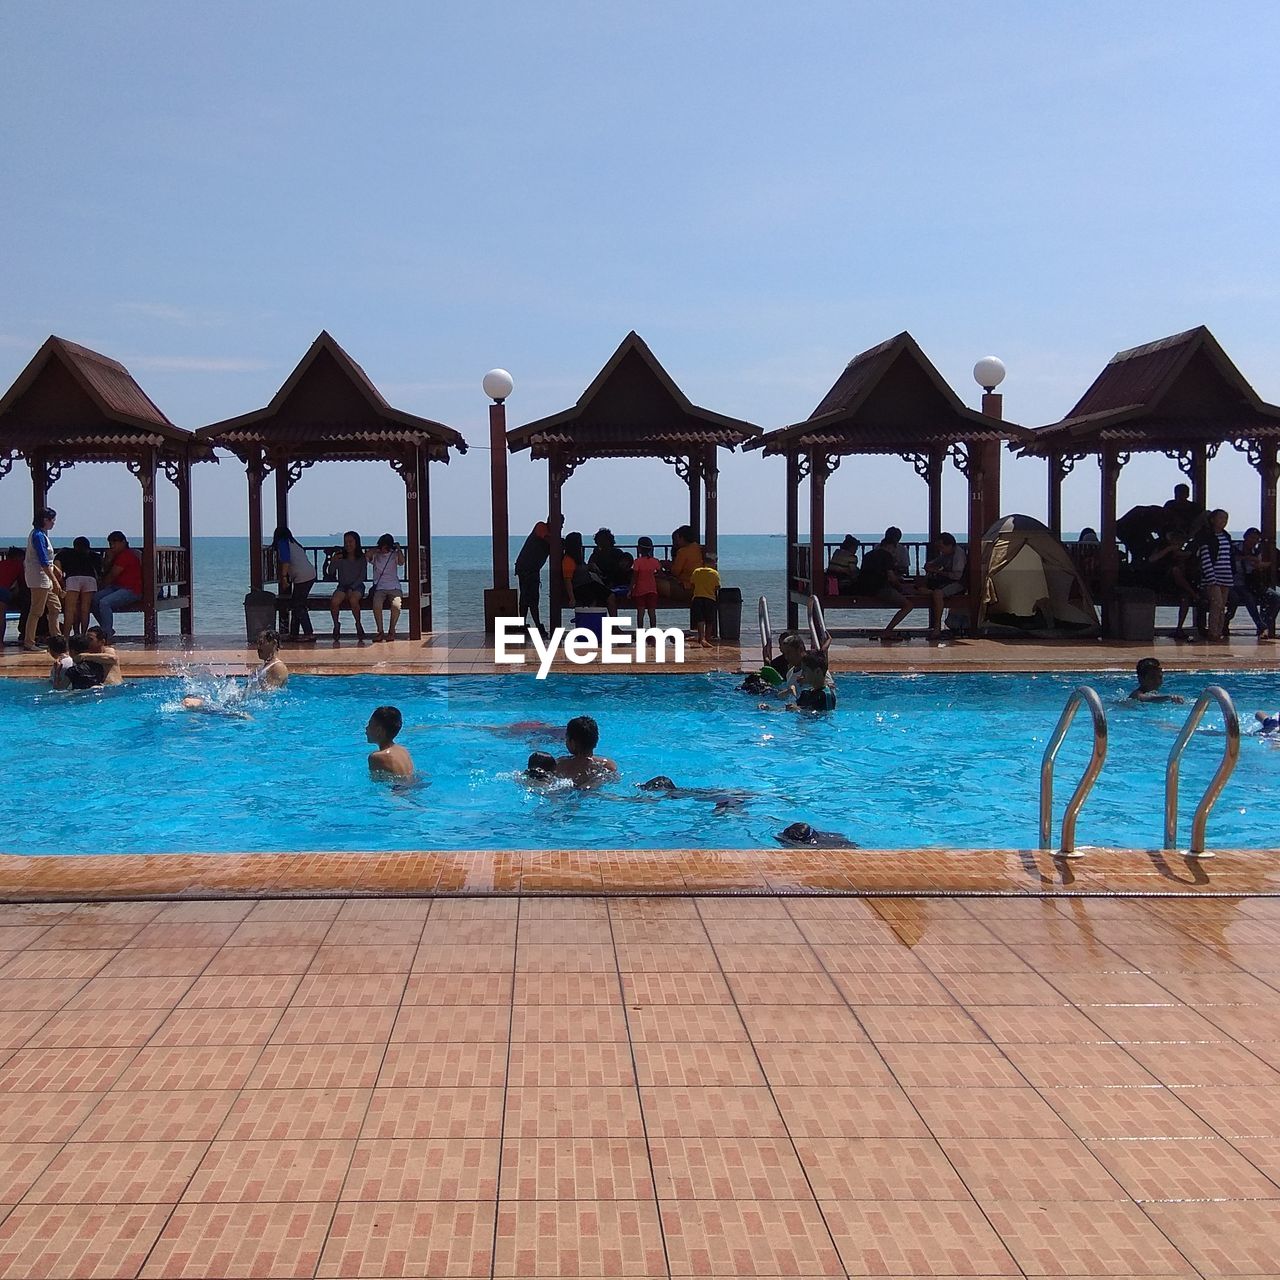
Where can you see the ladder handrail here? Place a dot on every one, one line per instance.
(766, 631)
(1089, 697)
(817, 623)
(1230, 754)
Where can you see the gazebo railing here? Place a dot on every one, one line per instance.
(173, 573)
(323, 559)
(799, 560)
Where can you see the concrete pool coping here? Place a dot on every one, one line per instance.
(620, 872)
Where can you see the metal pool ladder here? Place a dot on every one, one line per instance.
(1090, 698)
(766, 631)
(817, 623)
(1230, 754)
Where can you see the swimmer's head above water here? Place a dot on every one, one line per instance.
(541, 765)
(660, 783)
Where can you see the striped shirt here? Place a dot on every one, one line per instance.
(1217, 556)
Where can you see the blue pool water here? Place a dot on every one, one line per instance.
(906, 762)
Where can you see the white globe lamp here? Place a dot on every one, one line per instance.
(498, 384)
(989, 372)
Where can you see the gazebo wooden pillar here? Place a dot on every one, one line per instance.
(329, 411)
(632, 409)
(889, 400)
(71, 405)
(1181, 397)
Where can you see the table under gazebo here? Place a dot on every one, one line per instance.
(1182, 397)
(328, 410)
(72, 405)
(889, 400)
(633, 409)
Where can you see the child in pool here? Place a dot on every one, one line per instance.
(816, 694)
(1268, 724)
(388, 759)
(582, 766)
(541, 768)
(1150, 677)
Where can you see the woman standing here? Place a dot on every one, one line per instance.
(350, 568)
(387, 561)
(297, 577)
(80, 567)
(43, 578)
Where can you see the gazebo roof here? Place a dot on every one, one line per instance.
(889, 399)
(632, 409)
(328, 409)
(82, 406)
(1179, 391)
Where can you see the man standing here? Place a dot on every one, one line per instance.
(123, 582)
(1217, 571)
(43, 579)
(533, 555)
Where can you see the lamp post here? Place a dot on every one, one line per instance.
(499, 600)
(984, 471)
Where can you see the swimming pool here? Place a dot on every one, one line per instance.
(906, 762)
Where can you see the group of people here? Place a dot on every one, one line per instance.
(610, 577)
(349, 568)
(1185, 551)
(62, 589)
(883, 574)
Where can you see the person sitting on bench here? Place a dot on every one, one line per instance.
(944, 576)
(844, 564)
(879, 579)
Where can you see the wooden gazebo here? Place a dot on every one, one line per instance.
(1182, 397)
(73, 405)
(633, 409)
(889, 400)
(329, 411)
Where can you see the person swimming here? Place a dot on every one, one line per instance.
(802, 835)
(388, 759)
(1268, 723)
(1150, 678)
(582, 766)
(205, 706)
(726, 800)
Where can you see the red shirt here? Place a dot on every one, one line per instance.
(128, 571)
(10, 572)
(645, 582)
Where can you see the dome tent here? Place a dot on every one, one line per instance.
(1030, 584)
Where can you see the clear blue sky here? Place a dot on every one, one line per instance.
(760, 190)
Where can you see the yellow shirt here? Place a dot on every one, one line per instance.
(687, 559)
(706, 582)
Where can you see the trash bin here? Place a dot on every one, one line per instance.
(730, 615)
(590, 620)
(260, 613)
(1132, 614)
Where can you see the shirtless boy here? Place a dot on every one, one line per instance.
(582, 766)
(1150, 677)
(389, 759)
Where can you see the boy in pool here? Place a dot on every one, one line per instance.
(272, 674)
(582, 766)
(1150, 677)
(1268, 721)
(816, 694)
(389, 759)
(541, 768)
(62, 662)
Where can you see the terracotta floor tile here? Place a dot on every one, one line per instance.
(188, 933)
(159, 962)
(576, 1112)
(874, 1111)
(1262, 1153)
(879, 1169)
(434, 1113)
(727, 1168)
(474, 909)
(1213, 988)
(216, 1027)
(1236, 1112)
(576, 1169)
(1006, 988)
(1098, 1238)
(1038, 1024)
(1183, 1169)
(1048, 1169)
(361, 909)
(423, 1169)
(970, 1112)
(1244, 1023)
(899, 989)
(1051, 1066)
(820, 1065)
(288, 1114)
(17, 1028)
(657, 932)
(90, 1028)
(715, 1111)
(294, 909)
(458, 988)
(330, 1066)
(920, 1024)
(43, 1117)
(394, 958)
(130, 1173)
(535, 1023)
(569, 933)
(114, 994)
(294, 1169)
(754, 932)
(800, 1023)
(846, 931)
(398, 1238)
(934, 1238)
(579, 1238)
(339, 1024)
(551, 1064)
(189, 1067)
(241, 991)
(1145, 1112)
(1111, 988)
(687, 1022)
(748, 1238)
(253, 960)
(144, 1116)
(441, 1024)
(185, 912)
(646, 988)
(1220, 1065)
(80, 1240)
(488, 933)
(278, 933)
(374, 933)
(784, 988)
(38, 993)
(695, 1063)
(72, 935)
(240, 1240)
(55, 964)
(1228, 1238)
(18, 936)
(564, 909)
(442, 1066)
(1130, 1024)
(70, 1070)
(464, 958)
(749, 957)
(673, 958)
(21, 1163)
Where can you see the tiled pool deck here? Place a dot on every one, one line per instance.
(566, 1064)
